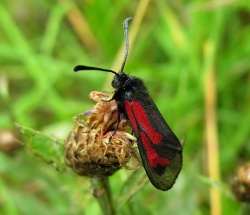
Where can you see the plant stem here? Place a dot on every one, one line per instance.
(101, 191)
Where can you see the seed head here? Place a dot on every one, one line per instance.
(92, 148)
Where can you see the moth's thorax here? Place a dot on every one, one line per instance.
(127, 86)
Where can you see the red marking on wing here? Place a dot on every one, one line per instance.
(152, 155)
(131, 116)
(142, 118)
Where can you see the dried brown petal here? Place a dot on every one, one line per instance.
(89, 149)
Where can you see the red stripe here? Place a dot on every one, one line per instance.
(152, 155)
(131, 116)
(142, 118)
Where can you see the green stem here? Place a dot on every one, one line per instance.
(102, 192)
(245, 208)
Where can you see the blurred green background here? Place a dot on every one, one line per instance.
(177, 46)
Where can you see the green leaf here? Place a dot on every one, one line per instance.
(44, 146)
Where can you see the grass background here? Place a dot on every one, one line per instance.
(185, 51)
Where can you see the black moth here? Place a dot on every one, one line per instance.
(160, 149)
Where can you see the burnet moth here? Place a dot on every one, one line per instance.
(160, 150)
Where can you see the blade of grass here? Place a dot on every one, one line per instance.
(32, 65)
(211, 126)
(52, 27)
(81, 27)
(133, 185)
(175, 28)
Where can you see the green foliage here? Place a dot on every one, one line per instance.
(42, 41)
(44, 146)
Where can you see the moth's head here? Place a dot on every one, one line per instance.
(119, 79)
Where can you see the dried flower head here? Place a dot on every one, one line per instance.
(241, 183)
(92, 149)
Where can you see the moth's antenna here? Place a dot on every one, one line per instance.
(82, 67)
(125, 27)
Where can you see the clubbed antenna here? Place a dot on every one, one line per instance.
(82, 67)
(125, 26)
